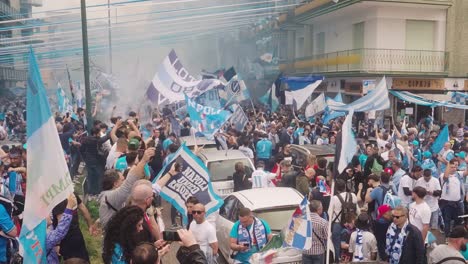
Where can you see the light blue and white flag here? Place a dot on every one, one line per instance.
(206, 120)
(350, 147)
(441, 139)
(298, 233)
(330, 115)
(64, 105)
(269, 99)
(316, 106)
(192, 180)
(376, 99)
(49, 182)
(235, 91)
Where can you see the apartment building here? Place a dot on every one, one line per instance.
(418, 45)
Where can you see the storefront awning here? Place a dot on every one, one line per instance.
(416, 99)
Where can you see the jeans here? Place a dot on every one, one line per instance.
(313, 259)
(449, 213)
(336, 239)
(435, 219)
(94, 179)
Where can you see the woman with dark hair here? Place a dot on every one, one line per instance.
(121, 235)
(240, 177)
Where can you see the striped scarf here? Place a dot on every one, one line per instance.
(358, 253)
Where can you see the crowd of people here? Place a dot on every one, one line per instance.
(394, 195)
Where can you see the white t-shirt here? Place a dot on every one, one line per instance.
(335, 206)
(419, 215)
(452, 193)
(247, 151)
(262, 179)
(381, 143)
(430, 186)
(204, 233)
(406, 181)
(369, 244)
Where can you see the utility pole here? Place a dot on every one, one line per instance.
(84, 32)
(109, 35)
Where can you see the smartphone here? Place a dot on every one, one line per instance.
(245, 244)
(178, 165)
(171, 235)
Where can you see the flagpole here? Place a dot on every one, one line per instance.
(330, 214)
(84, 32)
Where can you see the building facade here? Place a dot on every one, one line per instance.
(418, 45)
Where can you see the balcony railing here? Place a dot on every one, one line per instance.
(372, 60)
(11, 74)
(9, 12)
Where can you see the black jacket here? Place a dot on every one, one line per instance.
(191, 255)
(413, 247)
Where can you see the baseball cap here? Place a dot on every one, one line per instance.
(458, 232)
(415, 143)
(461, 154)
(133, 144)
(384, 208)
(427, 154)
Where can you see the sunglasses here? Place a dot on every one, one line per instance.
(198, 212)
(397, 216)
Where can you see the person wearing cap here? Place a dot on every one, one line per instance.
(362, 243)
(381, 224)
(417, 154)
(450, 253)
(404, 242)
(261, 178)
(378, 188)
(461, 160)
(433, 192)
(428, 163)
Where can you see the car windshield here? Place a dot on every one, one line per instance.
(220, 170)
(277, 219)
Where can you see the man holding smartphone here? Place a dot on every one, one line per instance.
(248, 236)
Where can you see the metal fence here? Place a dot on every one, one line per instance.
(373, 60)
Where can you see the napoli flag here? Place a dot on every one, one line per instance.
(299, 230)
(49, 182)
(192, 180)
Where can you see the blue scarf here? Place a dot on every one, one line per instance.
(395, 242)
(259, 232)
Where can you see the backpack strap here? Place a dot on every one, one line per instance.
(451, 258)
(342, 203)
(110, 205)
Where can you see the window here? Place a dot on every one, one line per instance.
(230, 208)
(222, 170)
(320, 43)
(420, 35)
(358, 36)
(300, 47)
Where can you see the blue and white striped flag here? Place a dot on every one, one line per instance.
(64, 105)
(330, 115)
(376, 99)
(349, 149)
(269, 99)
(49, 182)
(298, 233)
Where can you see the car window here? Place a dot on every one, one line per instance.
(230, 208)
(222, 170)
(299, 158)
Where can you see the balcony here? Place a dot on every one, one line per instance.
(372, 61)
(11, 74)
(9, 13)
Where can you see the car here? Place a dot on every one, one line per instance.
(220, 164)
(191, 141)
(301, 152)
(275, 205)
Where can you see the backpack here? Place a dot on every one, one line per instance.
(389, 198)
(376, 168)
(347, 208)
